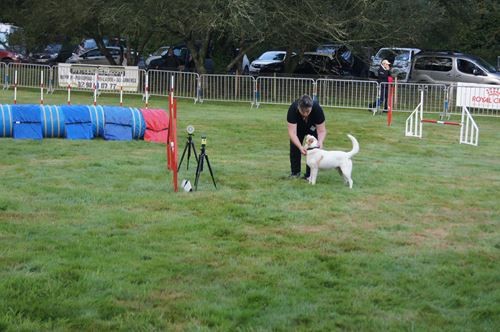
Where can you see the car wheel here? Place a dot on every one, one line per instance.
(6, 60)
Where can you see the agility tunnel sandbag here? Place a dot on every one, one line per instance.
(73, 122)
(26, 122)
(77, 122)
(157, 123)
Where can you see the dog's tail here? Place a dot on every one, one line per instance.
(355, 146)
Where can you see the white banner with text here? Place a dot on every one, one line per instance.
(108, 77)
(478, 95)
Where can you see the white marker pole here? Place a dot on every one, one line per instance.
(146, 88)
(95, 89)
(121, 91)
(15, 87)
(69, 89)
(41, 87)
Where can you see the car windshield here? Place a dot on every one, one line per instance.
(53, 48)
(272, 56)
(327, 48)
(160, 51)
(402, 57)
(485, 65)
(391, 53)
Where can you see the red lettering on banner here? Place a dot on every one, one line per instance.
(479, 99)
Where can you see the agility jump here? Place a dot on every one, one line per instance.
(469, 131)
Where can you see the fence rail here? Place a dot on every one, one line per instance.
(356, 94)
(233, 88)
(282, 90)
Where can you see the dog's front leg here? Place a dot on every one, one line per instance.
(313, 175)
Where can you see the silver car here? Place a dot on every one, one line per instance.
(95, 56)
(451, 67)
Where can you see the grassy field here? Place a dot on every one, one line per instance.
(93, 238)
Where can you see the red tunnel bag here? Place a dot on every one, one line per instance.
(157, 123)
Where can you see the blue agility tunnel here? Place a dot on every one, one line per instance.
(52, 121)
(138, 123)
(5, 121)
(97, 118)
(71, 121)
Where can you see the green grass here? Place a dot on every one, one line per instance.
(92, 236)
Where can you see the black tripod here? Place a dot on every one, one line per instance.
(189, 145)
(199, 168)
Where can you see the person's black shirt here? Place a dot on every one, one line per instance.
(316, 117)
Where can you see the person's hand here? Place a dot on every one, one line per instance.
(303, 150)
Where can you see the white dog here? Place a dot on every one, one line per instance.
(321, 159)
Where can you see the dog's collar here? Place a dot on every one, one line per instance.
(316, 147)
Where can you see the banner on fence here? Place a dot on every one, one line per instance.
(478, 95)
(109, 77)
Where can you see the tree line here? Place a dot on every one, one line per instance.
(471, 26)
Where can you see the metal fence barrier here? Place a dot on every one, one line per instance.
(346, 93)
(282, 90)
(357, 94)
(233, 88)
(4, 76)
(406, 96)
(160, 81)
(28, 75)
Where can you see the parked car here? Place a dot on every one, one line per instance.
(329, 59)
(89, 43)
(154, 61)
(269, 62)
(94, 56)
(450, 67)
(51, 54)
(8, 55)
(400, 59)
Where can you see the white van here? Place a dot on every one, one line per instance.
(400, 59)
(451, 67)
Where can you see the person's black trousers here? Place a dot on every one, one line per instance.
(296, 156)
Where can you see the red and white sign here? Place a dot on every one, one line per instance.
(478, 96)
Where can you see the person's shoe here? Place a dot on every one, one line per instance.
(294, 175)
(305, 177)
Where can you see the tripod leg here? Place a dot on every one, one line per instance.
(211, 173)
(199, 168)
(183, 153)
(194, 151)
(189, 156)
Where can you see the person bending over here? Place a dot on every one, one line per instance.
(304, 117)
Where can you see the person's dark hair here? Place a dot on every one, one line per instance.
(305, 102)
